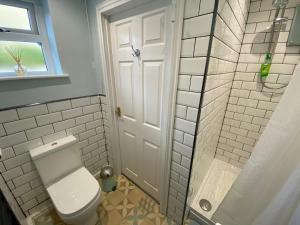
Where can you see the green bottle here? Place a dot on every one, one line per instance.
(265, 67)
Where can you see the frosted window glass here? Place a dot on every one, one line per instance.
(32, 57)
(14, 17)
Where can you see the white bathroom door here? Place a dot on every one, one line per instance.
(139, 88)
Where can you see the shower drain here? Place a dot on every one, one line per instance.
(205, 205)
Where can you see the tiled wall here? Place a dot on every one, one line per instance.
(250, 106)
(25, 128)
(11, 201)
(107, 128)
(226, 45)
(195, 38)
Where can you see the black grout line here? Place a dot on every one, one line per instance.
(229, 27)
(226, 60)
(223, 60)
(17, 114)
(245, 16)
(199, 6)
(39, 203)
(217, 87)
(194, 49)
(223, 41)
(214, 111)
(27, 129)
(5, 129)
(215, 99)
(206, 58)
(271, 10)
(192, 57)
(236, 17)
(184, 131)
(188, 91)
(105, 142)
(195, 37)
(192, 17)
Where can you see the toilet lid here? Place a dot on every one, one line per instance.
(75, 191)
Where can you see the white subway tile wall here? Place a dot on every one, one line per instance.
(250, 105)
(226, 45)
(25, 128)
(196, 31)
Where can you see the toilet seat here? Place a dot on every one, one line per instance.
(73, 193)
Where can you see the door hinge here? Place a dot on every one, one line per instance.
(118, 111)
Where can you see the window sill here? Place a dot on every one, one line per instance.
(30, 77)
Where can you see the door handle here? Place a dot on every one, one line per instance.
(118, 111)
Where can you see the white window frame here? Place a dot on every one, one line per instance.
(37, 34)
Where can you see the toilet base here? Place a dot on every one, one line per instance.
(92, 219)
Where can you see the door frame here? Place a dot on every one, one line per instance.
(103, 10)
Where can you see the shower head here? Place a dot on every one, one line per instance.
(280, 3)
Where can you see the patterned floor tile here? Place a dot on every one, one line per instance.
(128, 205)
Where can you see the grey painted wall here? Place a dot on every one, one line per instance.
(91, 6)
(74, 45)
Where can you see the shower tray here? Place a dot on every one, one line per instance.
(215, 186)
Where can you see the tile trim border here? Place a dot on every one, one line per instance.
(46, 102)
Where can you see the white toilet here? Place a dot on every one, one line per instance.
(73, 190)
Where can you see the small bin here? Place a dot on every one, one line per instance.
(109, 182)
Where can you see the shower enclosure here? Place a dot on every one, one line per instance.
(231, 117)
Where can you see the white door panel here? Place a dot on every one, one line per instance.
(139, 89)
(154, 28)
(151, 154)
(130, 144)
(127, 100)
(152, 85)
(124, 34)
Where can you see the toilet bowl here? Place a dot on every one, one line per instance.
(73, 190)
(76, 198)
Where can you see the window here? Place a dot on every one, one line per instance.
(32, 56)
(24, 47)
(20, 22)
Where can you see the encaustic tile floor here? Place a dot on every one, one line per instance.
(128, 205)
